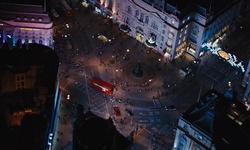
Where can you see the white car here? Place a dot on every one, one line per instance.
(68, 97)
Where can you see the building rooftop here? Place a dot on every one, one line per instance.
(203, 7)
(23, 123)
(94, 132)
(24, 10)
(32, 2)
(225, 120)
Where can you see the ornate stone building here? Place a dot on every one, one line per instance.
(172, 27)
(24, 22)
(216, 121)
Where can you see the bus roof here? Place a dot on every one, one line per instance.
(100, 81)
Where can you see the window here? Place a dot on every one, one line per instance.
(136, 13)
(129, 10)
(172, 21)
(146, 20)
(171, 30)
(141, 17)
(154, 25)
(163, 31)
(20, 81)
(169, 42)
(170, 35)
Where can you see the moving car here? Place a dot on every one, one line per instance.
(170, 107)
(68, 97)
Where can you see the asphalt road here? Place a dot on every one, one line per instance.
(147, 112)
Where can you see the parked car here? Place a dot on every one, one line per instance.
(116, 110)
(170, 107)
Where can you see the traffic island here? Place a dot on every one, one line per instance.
(139, 74)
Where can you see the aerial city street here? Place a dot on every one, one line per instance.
(150, 92)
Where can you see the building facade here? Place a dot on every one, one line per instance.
(172, 28)
(22, 23)
(214, 122)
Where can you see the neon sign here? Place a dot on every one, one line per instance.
(230, 58)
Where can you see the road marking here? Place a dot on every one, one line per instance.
(211, 77)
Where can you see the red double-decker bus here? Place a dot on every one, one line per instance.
(102, 86)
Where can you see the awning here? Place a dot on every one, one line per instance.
(125, 28)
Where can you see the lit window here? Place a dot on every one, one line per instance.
(171, 30)
(169, 42)
(170, 35)
(173, 22)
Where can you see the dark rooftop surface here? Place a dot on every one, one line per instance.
(221, 117)
(181, 4)
(25, 6)
(32, 2)
(98, 133)
(30, 133)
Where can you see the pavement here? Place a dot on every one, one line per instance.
(108, 58)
